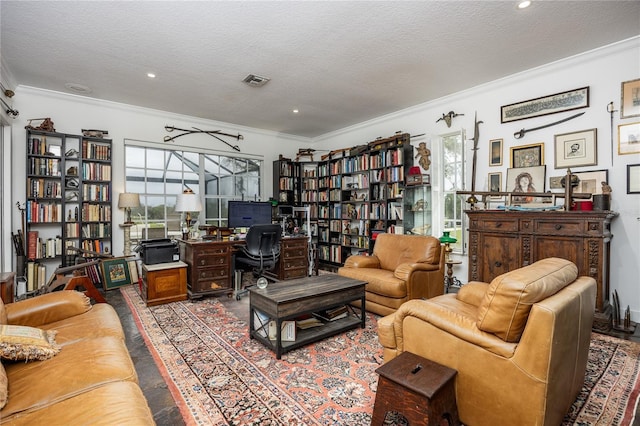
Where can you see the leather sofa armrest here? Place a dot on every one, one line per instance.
(473, 292)
(359, 261)
(47, 308)
(453, 317)
(404, 270)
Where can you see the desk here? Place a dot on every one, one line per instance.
(210, 264)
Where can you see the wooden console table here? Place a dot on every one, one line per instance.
(501, 241)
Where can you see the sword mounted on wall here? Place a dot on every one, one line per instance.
(212, 133)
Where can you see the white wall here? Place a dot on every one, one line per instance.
(72, 113)
(602, 70)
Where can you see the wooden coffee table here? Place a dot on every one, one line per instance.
(288, 300)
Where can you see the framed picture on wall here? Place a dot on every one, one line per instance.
(633, 178)
(628, 138)
(525, 179)
(630, 99)
(550, 104)
(495, 152)
(591, 182)
(495, 183)
(527, 155)
(576, 149)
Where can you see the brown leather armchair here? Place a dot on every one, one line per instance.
(520, 344)
(401, 268)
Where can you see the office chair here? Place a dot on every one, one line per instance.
(261, 251)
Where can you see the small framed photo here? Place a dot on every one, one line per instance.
(527, 155)
(495, 183)
(576, 149)
(591, 182)
(495, 152)
(629, 138)
(633, 178)
(630, 99)
(115, 273)
(525, 179)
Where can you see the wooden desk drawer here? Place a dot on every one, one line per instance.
(298, 243)
(290, 274)
(300, 262)
(565, 227)
(203, 260)
(502, 225)
(294, 252)
(215, 273)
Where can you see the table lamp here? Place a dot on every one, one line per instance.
(127, 200)
(447, 240)
(187, 202)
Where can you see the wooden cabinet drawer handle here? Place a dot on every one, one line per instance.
(201, 262)
(498, 225)
(558, 227)
(498, 264)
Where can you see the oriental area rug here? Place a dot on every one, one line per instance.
(218, 376)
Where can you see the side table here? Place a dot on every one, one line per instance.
(449, 278)
(164, 283)
(413, 390)
(7, 287)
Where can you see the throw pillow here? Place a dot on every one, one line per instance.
(4, 387)
(22, 343)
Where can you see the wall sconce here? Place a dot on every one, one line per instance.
(187, 202)
(127, 200)
(447, 240)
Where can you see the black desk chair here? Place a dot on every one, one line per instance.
(261, 251)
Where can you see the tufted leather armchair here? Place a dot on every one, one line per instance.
(520, 344)
(401, 268)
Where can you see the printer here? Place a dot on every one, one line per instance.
(159, 250)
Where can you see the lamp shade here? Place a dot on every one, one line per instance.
(447, 239)
(188, 201)
(128, 199)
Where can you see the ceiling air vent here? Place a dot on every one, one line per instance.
(256, 80)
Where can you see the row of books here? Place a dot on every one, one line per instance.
(36, 276)
(268, 328)
(93, 171)
(39, 248)
(43, 212)
(95, 151)
(44, 188)
(43, 166)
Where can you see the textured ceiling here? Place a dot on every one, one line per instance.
(339, 63)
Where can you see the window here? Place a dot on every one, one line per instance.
(158, 175)
(452, 181)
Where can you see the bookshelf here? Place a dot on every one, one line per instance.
(353, 195)
(68, 201)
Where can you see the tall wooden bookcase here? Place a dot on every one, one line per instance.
(353, 194)
(68, 200)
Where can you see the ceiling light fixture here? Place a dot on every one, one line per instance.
(524, 4)
(78, 88)
(295, 111)
(151, 75)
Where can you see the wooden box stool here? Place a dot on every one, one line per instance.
(415, 391)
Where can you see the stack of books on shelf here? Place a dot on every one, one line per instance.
(332, 314)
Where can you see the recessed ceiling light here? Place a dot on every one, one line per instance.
(78, 88)
(524, 4)
(151, 75)
(295, 111)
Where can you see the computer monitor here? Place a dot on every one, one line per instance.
(243, 214)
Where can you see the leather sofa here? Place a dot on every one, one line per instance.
(519, 344)
(91, 380)
(401, 268)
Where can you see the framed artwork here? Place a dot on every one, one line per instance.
(633, 178)
(115, 273)
(525, 179)
(628, 138)
(630, 99)
(495, 183)
(550, 104)
(591, 182)
(527, 155)
(495, 152)
(555, 182)
(576, 149)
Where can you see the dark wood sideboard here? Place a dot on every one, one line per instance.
(210, 264)
(500, 241)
